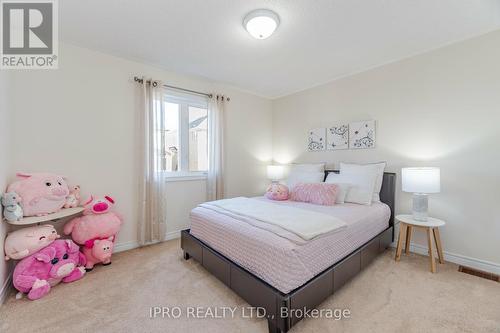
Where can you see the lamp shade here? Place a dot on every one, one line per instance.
(275, 172)
(421, 180)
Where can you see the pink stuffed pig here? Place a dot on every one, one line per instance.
(98, 206)
(60, 261)
(96, 223)
(99, 250)
(24, 242)
(277, 191)
(41, 193)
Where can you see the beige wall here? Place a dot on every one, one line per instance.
(437, 109)
(80, 121)
(441, 108)
(4, 167)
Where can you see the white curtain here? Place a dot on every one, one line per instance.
(215, 182)
(152, 213)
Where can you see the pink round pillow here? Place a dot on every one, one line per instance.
(277, 192)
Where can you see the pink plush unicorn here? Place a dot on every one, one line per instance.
(41, 193)
(99, 250)
(59, 261)
(97, 222)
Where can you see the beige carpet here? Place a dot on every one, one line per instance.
(386, 297)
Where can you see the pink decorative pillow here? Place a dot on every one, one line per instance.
(277, 192)
(315, 193)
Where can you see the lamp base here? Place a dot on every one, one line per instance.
(420, 207)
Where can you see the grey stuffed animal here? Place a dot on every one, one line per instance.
(12, 210)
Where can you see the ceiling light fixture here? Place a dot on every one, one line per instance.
(261, 23)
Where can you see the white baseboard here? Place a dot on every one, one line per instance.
(173, 235)
(483, 265)
(6, 288)
(135, 244)
(125, 246)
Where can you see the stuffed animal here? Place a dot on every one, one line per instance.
(41, 193)
(98, 206)
(99, 250)
(73, 199)
(96, 223)
(12, 210)
(277, 191)
(38, 273)
(24, 242)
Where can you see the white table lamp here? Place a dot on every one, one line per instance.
(275, 172)
(420, 182)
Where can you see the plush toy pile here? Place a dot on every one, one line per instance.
(46, 260)
(96, 230)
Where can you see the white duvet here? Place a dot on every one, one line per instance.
(304, 223)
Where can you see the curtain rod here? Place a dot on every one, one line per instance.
(138, 79)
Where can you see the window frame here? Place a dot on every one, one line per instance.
(184, 100)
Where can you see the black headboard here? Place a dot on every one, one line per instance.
(387, 193)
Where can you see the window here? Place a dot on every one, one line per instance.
(186, 134)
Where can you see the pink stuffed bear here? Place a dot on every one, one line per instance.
(73, 199)
(41, 193)
(277, 191)
(97, 222)
(24, 242)
(59, 261)
(99, 250)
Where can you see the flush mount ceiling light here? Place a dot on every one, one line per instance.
(261, 23)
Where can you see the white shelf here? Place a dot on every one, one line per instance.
(50, 217)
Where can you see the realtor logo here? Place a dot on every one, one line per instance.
(29, 34)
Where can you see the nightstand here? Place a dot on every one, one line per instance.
(432, 229)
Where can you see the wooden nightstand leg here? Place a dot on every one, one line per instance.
(408, 238)
(431, 252)
(399, 248)
(437, 239)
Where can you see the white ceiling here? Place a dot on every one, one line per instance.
(317, 41)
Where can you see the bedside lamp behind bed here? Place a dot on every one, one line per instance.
(275, 173)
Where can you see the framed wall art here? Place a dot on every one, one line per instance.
(362, 134)
(317, 139)
(337, 137)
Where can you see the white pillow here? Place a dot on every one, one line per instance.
(363, 169)
(304, 177)
(310, 167)
(336, 179)
(361, 186)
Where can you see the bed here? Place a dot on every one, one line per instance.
(271, 271)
